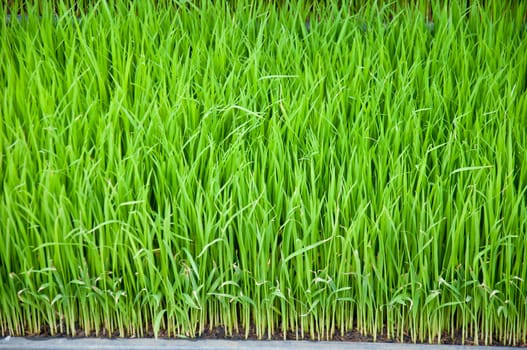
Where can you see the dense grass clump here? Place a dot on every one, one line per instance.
(182, 167)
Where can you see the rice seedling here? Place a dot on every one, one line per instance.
(171, 168)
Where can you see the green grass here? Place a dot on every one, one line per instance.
(185, 167)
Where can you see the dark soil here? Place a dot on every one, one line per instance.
(220, 332)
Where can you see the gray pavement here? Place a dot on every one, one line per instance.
(153, 344)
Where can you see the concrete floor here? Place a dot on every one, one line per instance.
(153, 344)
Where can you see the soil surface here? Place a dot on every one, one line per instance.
(220, 332)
